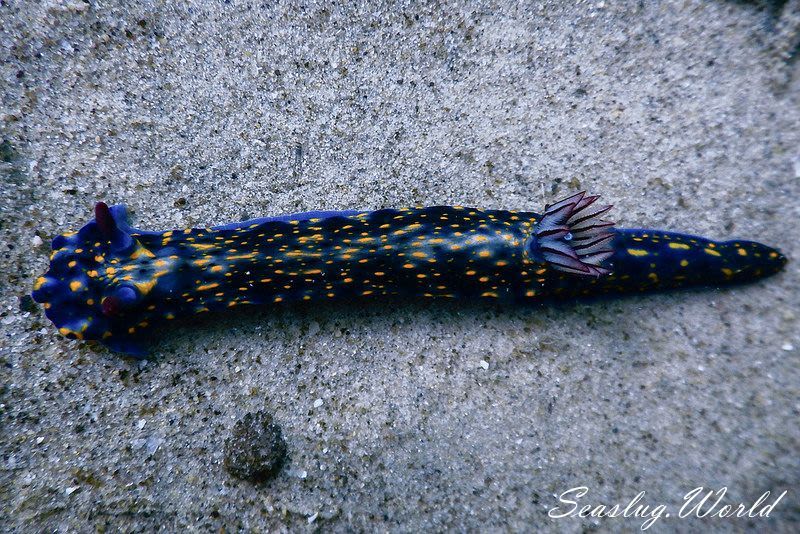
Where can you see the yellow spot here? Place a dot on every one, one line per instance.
(684, 263)
(39, 283)
(741, 251)
(653, 277)
(380, 273)
(484, 253)
(501, 263)
(90, 302)
(773, 255)
(75, 285)
(313, 271)
(207, 286)
(277, 299)
(145, 287)
(99, 258)
(470, 273)
(681, 246)
(347, 280)
(637, 252)
(368, 292)
(141, 251)
(489, 294)
(419, 254)
(408, 265)
(421, 275)
(216, 268)
(484, 278)
(726, 271)
(711, 252)
(201, 246)
(530, 293)
(202, 261)
(169, 316)
(249, 256)
(73, 263)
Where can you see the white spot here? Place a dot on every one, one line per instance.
(152, 444)
(313, 518)
(141, 424)
(318, 403)
(36, 241)
(484, 364)
(39, 440)
(787, 347)
(71, 490)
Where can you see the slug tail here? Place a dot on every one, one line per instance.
(651, 260)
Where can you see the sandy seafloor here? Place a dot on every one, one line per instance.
(684, 114)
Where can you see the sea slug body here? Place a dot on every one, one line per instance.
(113, 283)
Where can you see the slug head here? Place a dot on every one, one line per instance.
(90, 290)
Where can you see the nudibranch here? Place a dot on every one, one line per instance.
(113, 283)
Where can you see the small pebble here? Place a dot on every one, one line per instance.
(256, 449)
(484, 364)
(37, 241)
(313, 518)
(318, 403)
(787, 347)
